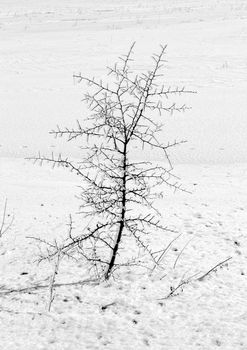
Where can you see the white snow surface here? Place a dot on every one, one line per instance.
(42, 43)
(207, 314)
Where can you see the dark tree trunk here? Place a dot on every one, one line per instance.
(123, 211)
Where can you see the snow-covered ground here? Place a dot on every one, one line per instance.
(41, 46)
(206, 315)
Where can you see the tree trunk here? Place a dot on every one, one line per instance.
(122, 219)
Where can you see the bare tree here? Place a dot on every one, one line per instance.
(118, 192)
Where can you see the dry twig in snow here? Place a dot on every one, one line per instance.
(214, 268)
(52, 281)
(4, 226)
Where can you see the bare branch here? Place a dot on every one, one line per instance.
(5, 226)
(220, 264)
(52, 281)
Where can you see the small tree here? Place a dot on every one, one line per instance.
(118, 192)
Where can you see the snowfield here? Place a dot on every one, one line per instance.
(129, 312)
(41, 46)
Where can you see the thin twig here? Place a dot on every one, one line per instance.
(44, 286)
(181, 252)
(4, 227)
(164, 251)
(52, 282)
(213, 268)
(180, 285)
